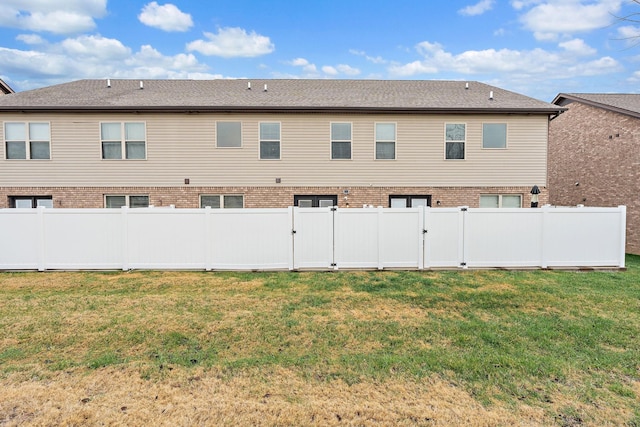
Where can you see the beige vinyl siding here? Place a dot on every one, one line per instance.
(183, 146)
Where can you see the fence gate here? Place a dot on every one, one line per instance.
(313, 238)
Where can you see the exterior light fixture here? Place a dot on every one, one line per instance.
(534, 196)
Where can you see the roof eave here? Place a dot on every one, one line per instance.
(608, 107)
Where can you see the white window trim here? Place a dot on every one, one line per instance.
(241, 134)
(376, 140)
(222, 196)
(28, 140)
(444, 154)
(500, 198)
(331, 141)
(127, 198)
(123, 141)
(268, 140)
(506, 142)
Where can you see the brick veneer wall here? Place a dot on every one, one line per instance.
(594, 160)
(265, 197)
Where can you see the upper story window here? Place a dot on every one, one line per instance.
(123, 140)
(27, 140)
(455, 138)
(270, 141)
(385, 141)
(228, 134)
(494, 135)
(340, 140)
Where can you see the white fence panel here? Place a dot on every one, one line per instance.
(444, 237)
(160, 238)
(356, 243)
(584, 236)
(313, 238)
(503, 237)
(401, 238)
(20, 239)
(83, 239)
(255, 239)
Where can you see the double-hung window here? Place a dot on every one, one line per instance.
(27, 140)
(494, 135)
(270, 141)
(340, 141)
(500, 201)
(123, 140)
(385, 141)
(455, 138)
(228, 134)
(225, 201)
(133, 201)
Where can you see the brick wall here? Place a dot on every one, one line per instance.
(264, 197)
(594, 160)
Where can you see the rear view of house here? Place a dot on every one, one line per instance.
(272, 143)
(594, 155)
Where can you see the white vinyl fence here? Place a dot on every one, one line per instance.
(310, 238)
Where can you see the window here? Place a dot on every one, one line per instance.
(312, 201)
(226, 201)
(118, 201)
(494, 135)
(27, 140)
(270, 141)
(455, 137)
(123, 140)
(30, 201)
(228, 134)
(385, 141)
(400, 201)
(340, 140)
(500, 201)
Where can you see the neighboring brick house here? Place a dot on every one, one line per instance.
(5, 88)
(272, 143)
(594, 155)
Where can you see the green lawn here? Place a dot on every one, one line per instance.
(562, 346)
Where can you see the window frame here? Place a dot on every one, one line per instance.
(127, 200)
(315, 199)
(506, 135)
(332, 141)
(28, 152)
(261, 140)
(500, 196)
(379, 140)
(456, 141)
(34, 201)
(221, 199)
(409, 198)
(123, 141)
(241, 134)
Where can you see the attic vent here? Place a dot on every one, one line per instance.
(141, 84)
(248, 85)
(491, 96)
(265, 87)
(108, 82)
(466, 85)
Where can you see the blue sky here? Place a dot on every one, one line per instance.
(536, 47)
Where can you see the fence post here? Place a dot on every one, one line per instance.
(623, 234)
(462, 248)
(42, 253)
(125, 237)
(208, 262)
(422, 236)
(380, 234)
(292, 242)
(544, 262)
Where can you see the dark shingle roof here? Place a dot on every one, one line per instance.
(281, 95)
(625, 103)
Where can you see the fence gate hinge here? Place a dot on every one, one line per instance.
(464, 209)
(293, 231)
(462, 264)
(333, 264)
(425, 231)
(333, 209)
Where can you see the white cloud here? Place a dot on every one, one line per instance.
(232, 42)
(477, 9)
(328, 69)
(306, 65)
(30, 39)
(348, 70)
(372, 59)
(551, 18)
(578, 47)
(167, 17)
(95, 47)
(70, 16)
(630, 34)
